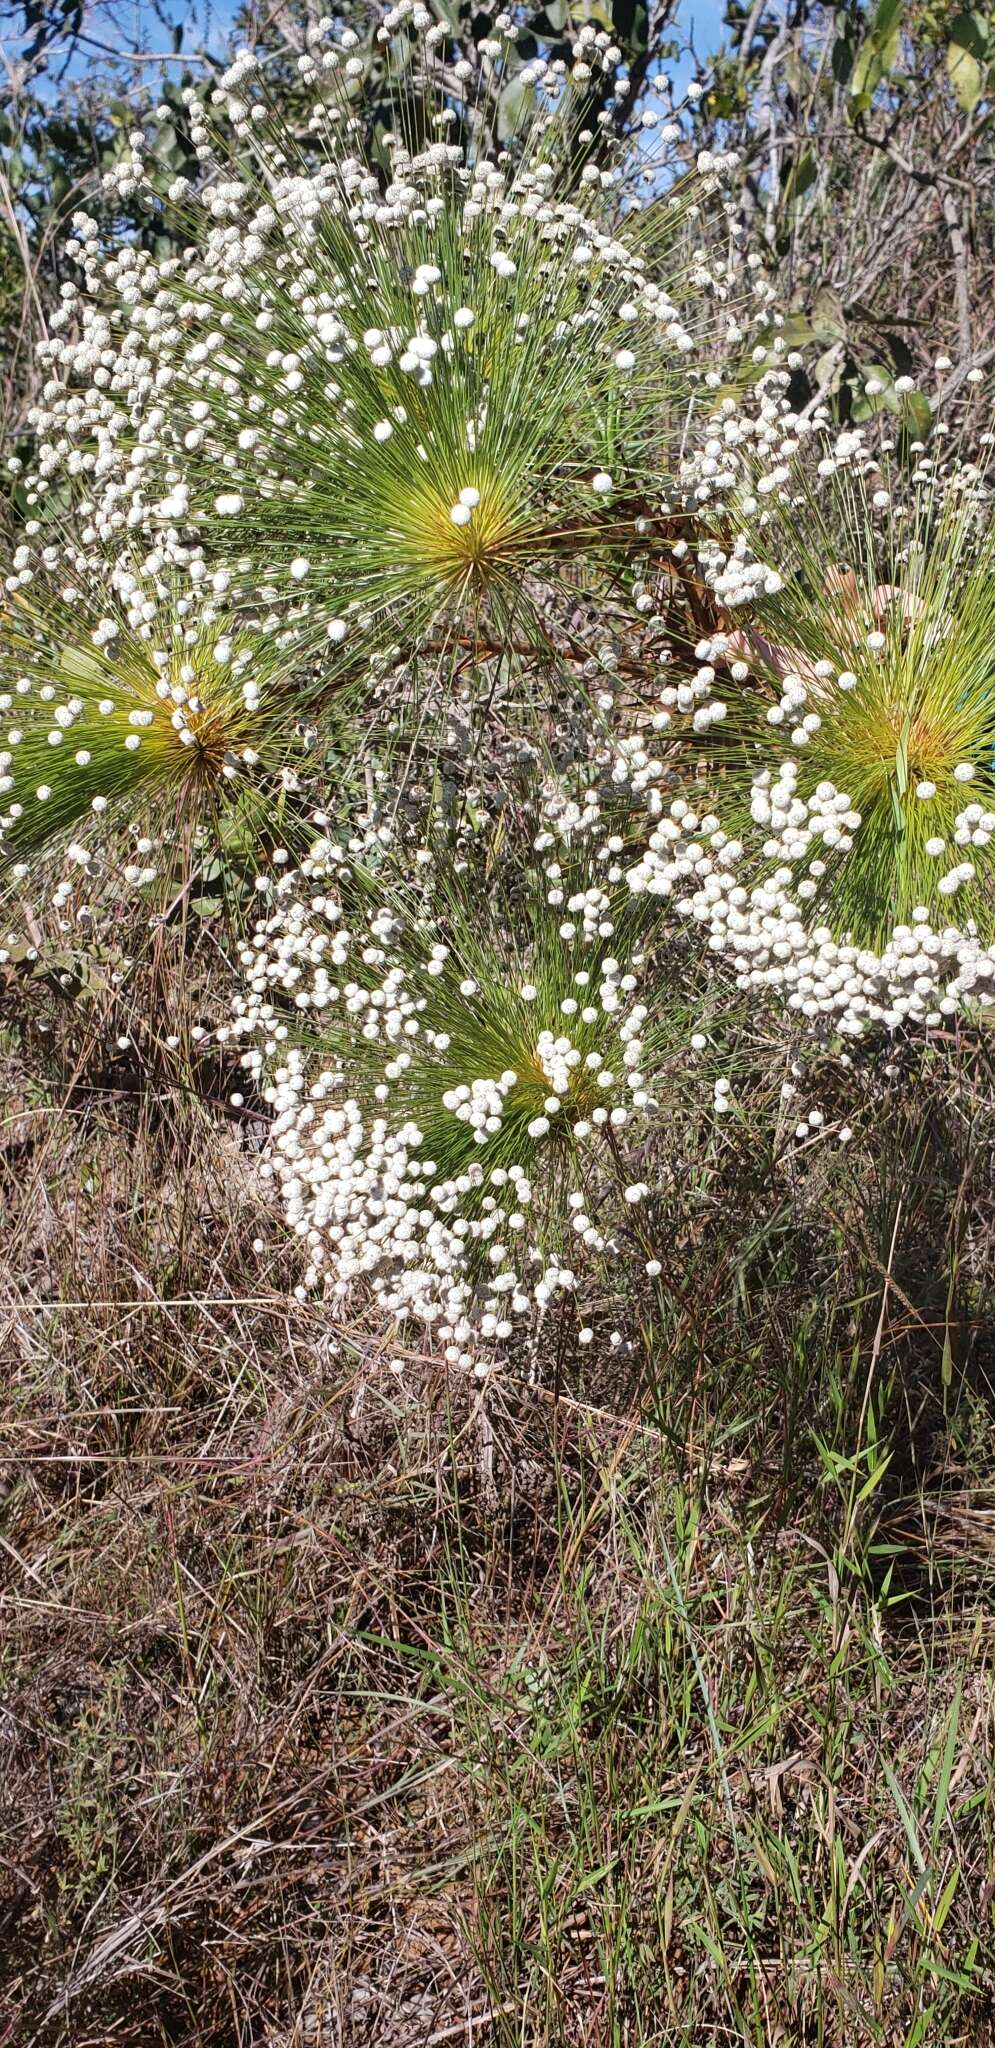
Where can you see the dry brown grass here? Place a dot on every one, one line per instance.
(345, 1708)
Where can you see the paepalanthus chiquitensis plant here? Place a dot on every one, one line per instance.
(849, 861)
(143, 735)
(392, 392)
(463, 1071)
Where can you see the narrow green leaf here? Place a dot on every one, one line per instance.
(920, 2029)
(902, 758)
(946, 1898)
(946, 1768)
(907, 1821)
(896, 805)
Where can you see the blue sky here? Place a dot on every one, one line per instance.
(703, 18)
(207, 21)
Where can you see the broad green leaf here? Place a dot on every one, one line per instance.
(867, 71)
(879, 52)
(888, 19)
(970, 31)
(965, 75)
(829, 369)
(797, 331)
(866, 404)
(801, 177)
(828, 316)
(842, 60)
(513, 108)
(917, 414)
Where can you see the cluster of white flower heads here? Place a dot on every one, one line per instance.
(786, 872)
(311, 401)
(923, 974)
(440, 1148)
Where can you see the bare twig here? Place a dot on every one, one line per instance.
(951, 214)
